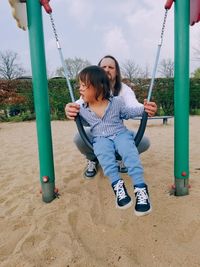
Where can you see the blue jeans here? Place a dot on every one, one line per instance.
(142, 147)
(105, 148)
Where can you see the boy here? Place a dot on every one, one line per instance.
(105, 113)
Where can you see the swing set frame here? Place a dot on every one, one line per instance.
(181, 98)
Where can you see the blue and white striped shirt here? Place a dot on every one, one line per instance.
(111, 123)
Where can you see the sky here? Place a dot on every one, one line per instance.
(91, 29)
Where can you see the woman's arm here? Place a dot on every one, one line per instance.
(130, 100)
(129, 96)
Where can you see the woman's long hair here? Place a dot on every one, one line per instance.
(118, 83)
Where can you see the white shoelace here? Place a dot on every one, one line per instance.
(91, 165)
(141, 195)
(120, 193)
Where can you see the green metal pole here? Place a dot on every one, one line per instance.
(181, 97)
(41, 102)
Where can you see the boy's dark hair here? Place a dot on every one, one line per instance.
(118, 83)
(97, 77)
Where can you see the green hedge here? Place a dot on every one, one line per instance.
(163, 95)
(58, 97)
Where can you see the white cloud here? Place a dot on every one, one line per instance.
(115, 43)
(81, 11)
(90, 29)
(127, 7)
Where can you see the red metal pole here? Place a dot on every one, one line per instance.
(45, 4)
(169, 4)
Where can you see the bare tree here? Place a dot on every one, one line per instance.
(145, 74)
(131, 70)
(166, 68)
(74, 66)
(9, 67)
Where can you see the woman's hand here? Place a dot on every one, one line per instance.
(150, 108)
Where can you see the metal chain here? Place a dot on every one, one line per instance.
(65, 70)
(163, 26)
(54, 27)
(157, 57)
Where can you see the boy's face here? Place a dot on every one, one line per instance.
(87, 92)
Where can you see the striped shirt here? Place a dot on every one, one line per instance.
(111, 123)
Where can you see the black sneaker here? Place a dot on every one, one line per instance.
(142, 204)
(123, 200)
(91, 169)
(121, 167)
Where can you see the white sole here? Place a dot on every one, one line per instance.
(140, 214)
(125, 206)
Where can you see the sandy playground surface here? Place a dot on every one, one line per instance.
(83, 228)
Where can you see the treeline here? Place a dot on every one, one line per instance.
(17, 100)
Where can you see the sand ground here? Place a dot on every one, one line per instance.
(83, 228)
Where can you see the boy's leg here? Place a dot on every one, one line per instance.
(105, 151)
(129, 153)
(142, 147)
(130, 156)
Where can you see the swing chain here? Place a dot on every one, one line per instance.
(62, 58)
(54, 28)
(157, 56)
(163, 26)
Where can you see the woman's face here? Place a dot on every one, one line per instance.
(108, 64)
